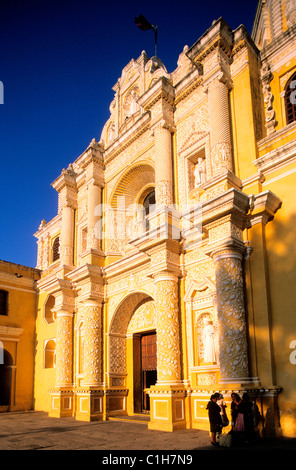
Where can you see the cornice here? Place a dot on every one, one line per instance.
(26, 271)
(66, 179)
(54, 285)
(46, 227)
(278, 157)
(86, 271)
(87, 282)
(233, 202)
(278, 45)
(10, 333)
(162, 89)
(263, 208)
(219, 35)
(187, 85)
(125, 265)
(93, 154)
(17, 281)
(243, 39)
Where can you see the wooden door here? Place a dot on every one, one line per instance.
(148, 366)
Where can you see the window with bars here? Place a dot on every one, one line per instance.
(290, 99)
(56, 249)
(3, 302)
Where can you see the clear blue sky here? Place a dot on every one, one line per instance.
(59, 61)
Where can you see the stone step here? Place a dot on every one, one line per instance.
(139, 418)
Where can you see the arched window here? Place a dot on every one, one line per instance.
(56, 249)
(49, 354)
(48, 306)
(148, 206)
(3, 302)
(290, 99)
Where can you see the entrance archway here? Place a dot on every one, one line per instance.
(132, 349)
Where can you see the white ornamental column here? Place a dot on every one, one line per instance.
(219, 115)
(94, 202)
(168, 337)
(65, 185)
(92, 343)
(67, 236)
(163, 165)
(64, 348)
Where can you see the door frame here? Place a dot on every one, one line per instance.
(139, 372)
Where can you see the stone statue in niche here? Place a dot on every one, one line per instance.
(200, 172)
(209, 353)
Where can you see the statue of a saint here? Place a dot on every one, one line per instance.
(200, 172)
(208, 341)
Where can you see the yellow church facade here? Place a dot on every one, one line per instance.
(169, 270)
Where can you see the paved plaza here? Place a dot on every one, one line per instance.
(36, 431)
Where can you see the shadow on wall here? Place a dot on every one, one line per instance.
(281, 269)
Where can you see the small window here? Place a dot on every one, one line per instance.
(148, 206)
(49, 354)
(48, 312)
(290, 99)
(3, 302)
(56, 249)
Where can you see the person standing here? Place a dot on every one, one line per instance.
(215, 419)
(245, 407)
(234, 407)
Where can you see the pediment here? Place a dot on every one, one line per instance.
(204, 287)
(193, 138)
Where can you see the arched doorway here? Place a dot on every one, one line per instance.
(5, 379)
(132, 349)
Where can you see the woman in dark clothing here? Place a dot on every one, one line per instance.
(234, 407)
(246, 408)
(215, 419)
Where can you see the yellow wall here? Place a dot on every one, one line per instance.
(281, 236)
(44, 378)
(21, 315)
(245, 98)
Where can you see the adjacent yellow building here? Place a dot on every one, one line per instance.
(18, 301)
(169, 270)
